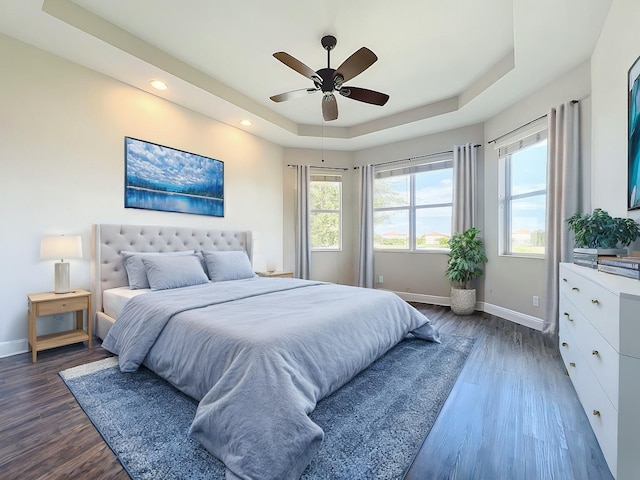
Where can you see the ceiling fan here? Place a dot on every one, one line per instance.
(329, 80)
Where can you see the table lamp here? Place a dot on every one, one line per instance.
(61, 246)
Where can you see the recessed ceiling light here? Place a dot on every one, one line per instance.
(158, 84)
(246, 123)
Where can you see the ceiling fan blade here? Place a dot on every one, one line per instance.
(298, 66)
(364, 95)
(356, 64)
(282, 97)
(329, 107)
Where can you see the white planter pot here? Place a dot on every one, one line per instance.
(463, 301)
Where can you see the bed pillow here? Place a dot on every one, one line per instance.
(228, 265)
(164, 272)
(136, 272)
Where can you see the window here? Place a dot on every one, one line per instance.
(325, 197)
(523, 196)
(413, 207)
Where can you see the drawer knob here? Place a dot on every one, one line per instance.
(595, 302)
(575, 289)
(596, 413)
(565, 344)
(595, 352)
(568, 316)
(572, 364)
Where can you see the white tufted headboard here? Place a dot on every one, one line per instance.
(109, 240)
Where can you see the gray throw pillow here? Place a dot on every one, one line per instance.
(174, 271)
(228, 265)
(136, 272)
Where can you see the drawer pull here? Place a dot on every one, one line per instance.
(64, 304)
(568, 316)
(565, 344)
(596, 413)
(575, 289)
(595, 302)
(572, 364)
(595, 352)
(564, 279)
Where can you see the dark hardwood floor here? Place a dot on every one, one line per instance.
(512, 414)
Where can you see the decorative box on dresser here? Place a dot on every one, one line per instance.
(599, 330)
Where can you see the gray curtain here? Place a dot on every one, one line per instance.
(464, 187)
(563, 198)
(303, 240)
(365, 256)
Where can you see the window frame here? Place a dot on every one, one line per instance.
(506, 150)
(316, 211)
(412, 207)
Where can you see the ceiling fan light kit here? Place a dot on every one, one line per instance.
(329, 80)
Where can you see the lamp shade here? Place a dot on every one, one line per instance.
(61, 246)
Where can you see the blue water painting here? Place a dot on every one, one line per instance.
(163, 178)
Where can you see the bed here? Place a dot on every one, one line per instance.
(257, 353)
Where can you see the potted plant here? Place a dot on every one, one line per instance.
(602, 232)
(465, 257)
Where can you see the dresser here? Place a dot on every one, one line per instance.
(599, 333)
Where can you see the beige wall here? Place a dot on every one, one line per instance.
(511, 282)
(337, 267)
(62, 130)
(419, 273)
(62, 169)
(617, 49)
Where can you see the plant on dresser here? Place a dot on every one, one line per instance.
(599, 334)
(601, 230)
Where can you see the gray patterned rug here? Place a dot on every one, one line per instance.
(373, 426)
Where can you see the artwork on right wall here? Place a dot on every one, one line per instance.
(633, 178)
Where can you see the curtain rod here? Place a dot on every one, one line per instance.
(522, 126)
(413, 158)
(325, 168)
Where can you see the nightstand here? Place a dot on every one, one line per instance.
(275, 274)
(49, 303)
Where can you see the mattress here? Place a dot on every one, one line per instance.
(114, 299)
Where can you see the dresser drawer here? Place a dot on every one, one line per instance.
(61, 306)
(599, 306)
(600, 412)
(601, 357)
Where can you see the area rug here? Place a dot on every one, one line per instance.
(374, 425)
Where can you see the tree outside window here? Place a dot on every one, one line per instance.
(325, 196)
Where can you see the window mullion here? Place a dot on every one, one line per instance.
(412, 212)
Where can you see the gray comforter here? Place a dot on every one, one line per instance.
(259, 354)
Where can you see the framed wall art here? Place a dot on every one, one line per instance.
(171, 180)
(633, 150)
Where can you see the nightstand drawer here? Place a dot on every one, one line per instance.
(62, 305)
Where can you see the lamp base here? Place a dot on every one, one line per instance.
(62, 278)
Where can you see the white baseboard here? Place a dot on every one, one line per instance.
(511, 315)
(517, 317)
(421, 298)
(13, 347)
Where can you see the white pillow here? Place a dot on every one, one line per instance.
(136, 272)
(228, 265)
(166, 272)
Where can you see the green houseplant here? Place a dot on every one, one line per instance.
(466, 255)
(600, 230)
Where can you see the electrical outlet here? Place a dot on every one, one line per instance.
(380, 279)
(536, 301)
